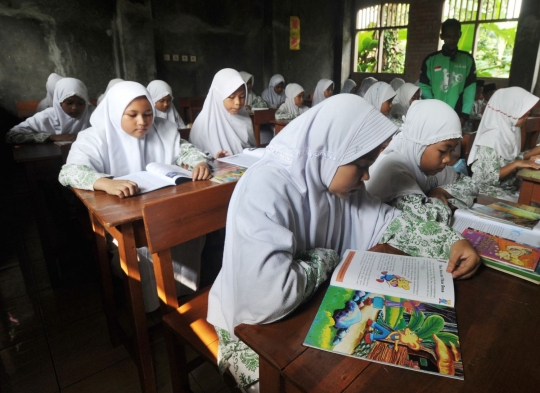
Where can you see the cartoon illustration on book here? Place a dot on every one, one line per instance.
(388, 329)
(394, 280)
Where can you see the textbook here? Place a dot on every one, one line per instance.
(228, 174)
(158, 176)
(247, 158)
(505, 255)
(510, 213)
(391, 309)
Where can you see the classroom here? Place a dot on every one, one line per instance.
(352, 137)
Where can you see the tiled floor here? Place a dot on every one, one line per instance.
(54, 339)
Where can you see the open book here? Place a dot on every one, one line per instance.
(391, 309)
(158, 176)
(510, 213)
(247, 158)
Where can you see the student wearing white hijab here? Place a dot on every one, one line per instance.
(69, 114)
(365, 85)
(413, 172)
(495, 155)
(324, 89)
(125, 137)
(294, 213)
(274, 94)
(162, 98)
(349, 87)
(252, 99)
(396, 83)
(111, 83)
(223, 124)
(405, 96)
(47, 102)
(294, 104)
(381, 95)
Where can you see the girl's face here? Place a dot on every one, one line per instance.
(328, 92)
(74, 106)
(522, 119)
(351, 177)
(437, 156)
(137, 118)
(299, 99)
(279, 87)
(235, 101)
(386, 106)
(416, 96)
(164, 104)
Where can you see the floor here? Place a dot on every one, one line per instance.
(54, 338)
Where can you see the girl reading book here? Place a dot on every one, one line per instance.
(295, 212)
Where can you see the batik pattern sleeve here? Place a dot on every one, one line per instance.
(258, 102)
(317, 263)
(17, 137)
(464, 189)
(420, 238)
(79, 176)
(486, 171)
(190, 155)
(422, 208)
(282, 114)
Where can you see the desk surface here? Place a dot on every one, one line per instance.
(36, 151)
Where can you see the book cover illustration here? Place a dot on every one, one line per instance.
(388, 329)
(503, 250)
(507, 213)
(228, 174)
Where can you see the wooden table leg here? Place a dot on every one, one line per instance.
(526, 192)
(269, 377)
(130, 265)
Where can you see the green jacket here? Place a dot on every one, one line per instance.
(451, 79)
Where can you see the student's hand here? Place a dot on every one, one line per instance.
(521, 164)
(120, 188)
(201, 171)
(222, 153)
(464, 260)
(534, 158)
(62, 137)
(439, 193)
(535, 151)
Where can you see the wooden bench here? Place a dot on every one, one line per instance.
(265, 116)
(26, 109)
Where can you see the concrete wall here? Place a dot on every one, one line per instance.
(44, 36)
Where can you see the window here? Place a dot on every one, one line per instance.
(488, 31)
(381, 38)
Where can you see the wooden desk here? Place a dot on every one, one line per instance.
(466, 144)
(498, 317)
(279, 125)
(530, 188)
(529, 133)
(122, 219)
(259, 118)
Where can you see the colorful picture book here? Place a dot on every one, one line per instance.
(508, 212)
(391, 309)
(228, 174)
(506, 255)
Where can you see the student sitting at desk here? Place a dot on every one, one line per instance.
(69, 114)
(294, 104)
(405, 96)
(381, 95)
(495, 155)
(252, 99)
(125, 137)
(365, 85)
(324, 89)
(273, 95)
(223, 126)
(413, 175)
(163, 98)
(349, 86)
(294, 213)
(47, 102)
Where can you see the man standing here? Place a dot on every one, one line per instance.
(449, 75)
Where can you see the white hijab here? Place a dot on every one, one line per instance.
(348, 86)
(54, 120)
(216, 129)
(112, 82)
(47, 102)
(291, 91)
(282, 206)
(397, 170)
(365, 85)
(498, 125)
(250, 96)
(107, 148)
(318, 96)
(396, 83)
(159, 89)
(270, 96)
(379, 93)
(401, 101)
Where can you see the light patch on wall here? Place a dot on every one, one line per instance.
(49, 27)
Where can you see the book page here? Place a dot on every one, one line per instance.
(242, 159)
(146, 181)
(422, 279)
(464, 219)
(173, 174)
(255, 151)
